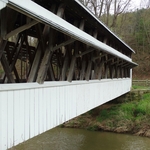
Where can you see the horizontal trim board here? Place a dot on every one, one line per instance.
(47, 84)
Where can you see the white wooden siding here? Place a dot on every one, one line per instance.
(29, 109)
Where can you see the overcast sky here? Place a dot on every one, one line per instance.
(139, 3)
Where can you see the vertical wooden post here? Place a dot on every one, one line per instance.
(73, 62)
(82, 72)
(88, 71)
(100, 69)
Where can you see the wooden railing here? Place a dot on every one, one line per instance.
(141, 82)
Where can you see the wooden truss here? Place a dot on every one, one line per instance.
(34, 52)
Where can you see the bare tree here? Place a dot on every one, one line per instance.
(107, 8)
(96, 6)
(120, 6)
(144, 4)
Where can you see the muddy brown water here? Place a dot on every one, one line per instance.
(78, 139)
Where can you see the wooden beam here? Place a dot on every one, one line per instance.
(42, 73)
(95, 34)
(11, 19)
(82, 23)
(65, 66)
(20, 29)
(94, 71)
(63, 44)
(40, 37)
(60, 11)
(110, 59)
(12, 63)
(3, 22)
(38, 55)
(100, 69)
(100, 56)
(85, 52)
(9, 59)
(88, 71)
(17, 53)
(34, 68)
(82, 72)
(7, 69)
(3, 45)
(106, 71)
(73, 62)
(51, 72)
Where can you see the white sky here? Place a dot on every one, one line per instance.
(139, 3)
(136, 3)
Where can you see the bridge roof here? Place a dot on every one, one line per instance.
(45, 16)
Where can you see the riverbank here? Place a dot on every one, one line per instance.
(127, 114)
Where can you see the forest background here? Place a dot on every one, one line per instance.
(131, 24)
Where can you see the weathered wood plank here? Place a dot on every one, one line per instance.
(88, 71)
(106, 71)
(3, 45)
(82, 72)
(100, 69)
(42, 73)
(73, 62)
(65, 65)
(20, 29)
(63, 44)
(85, 52)
(7, 69)
(51, 72)
(17, 53)
(38, 56)
(60, 11)
(9, 59)
(35, 65)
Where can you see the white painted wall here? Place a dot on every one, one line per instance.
(29, 109)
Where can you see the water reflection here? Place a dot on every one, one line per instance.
(139, 144)
(76, 139)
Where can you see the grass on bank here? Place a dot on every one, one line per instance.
(126, 113)
(139, 87)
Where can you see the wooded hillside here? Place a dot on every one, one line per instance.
(132, 25)
(134, 29)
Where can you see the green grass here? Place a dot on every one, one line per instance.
(129, 111)
(135, 87)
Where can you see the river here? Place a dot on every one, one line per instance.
(78, 139)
